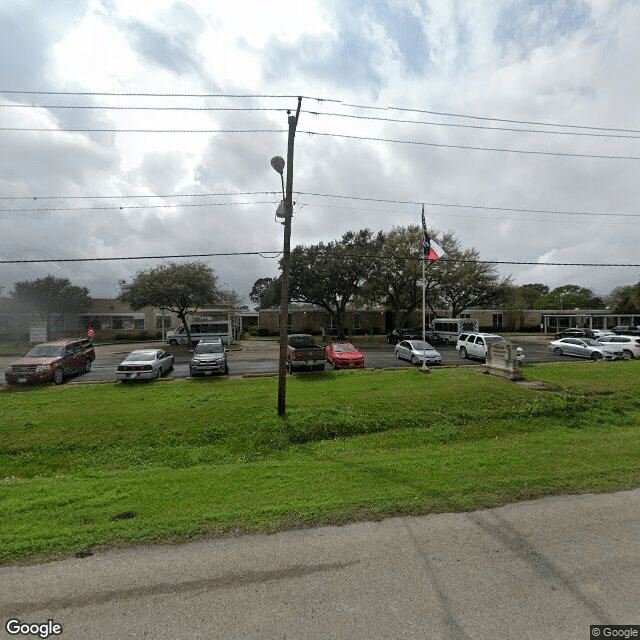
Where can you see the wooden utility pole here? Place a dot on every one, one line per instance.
(286, 263)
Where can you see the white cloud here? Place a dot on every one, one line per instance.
(567, 62)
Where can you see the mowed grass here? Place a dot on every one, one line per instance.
(89, 466)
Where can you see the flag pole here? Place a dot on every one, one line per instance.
(424, 367)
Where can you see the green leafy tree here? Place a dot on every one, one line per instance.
(625, 299)
(51, 297)
(396, 280)
(463, 281)
(570, 296)
(178, 287)
(331, 275)
(266, 293)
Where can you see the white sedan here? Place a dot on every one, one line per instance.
(417, 351)
(145, 364)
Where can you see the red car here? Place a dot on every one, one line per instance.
(343, 355)
(52, 361)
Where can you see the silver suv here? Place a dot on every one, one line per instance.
(209, 356)
(475, 345)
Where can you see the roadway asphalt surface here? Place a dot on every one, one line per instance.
(258, 357)
(546, 569)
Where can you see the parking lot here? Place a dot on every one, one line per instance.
(260, 357)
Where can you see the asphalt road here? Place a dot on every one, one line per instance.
(261, 357)
(546, 569)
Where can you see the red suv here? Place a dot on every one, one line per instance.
(52, 361)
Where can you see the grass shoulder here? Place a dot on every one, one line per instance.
(190, 459)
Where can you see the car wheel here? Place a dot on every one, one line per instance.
(557, 351)
(463, 353)
(58, 375)
(87, 366)
(628, 355)
(596, 355)
(173, 342)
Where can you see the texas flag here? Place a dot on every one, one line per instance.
(431, 250)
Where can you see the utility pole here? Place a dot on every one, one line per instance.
(286, 263)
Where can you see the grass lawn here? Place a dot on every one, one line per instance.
(96, 465)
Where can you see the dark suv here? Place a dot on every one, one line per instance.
(52, 361)
(576, 332)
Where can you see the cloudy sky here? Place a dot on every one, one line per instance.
(146, 128)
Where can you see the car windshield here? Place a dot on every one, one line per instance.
(209, 348)
(140, 356)
(338, 348)
(45, 351)
(418, 345)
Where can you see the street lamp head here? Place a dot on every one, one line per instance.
(277, 162)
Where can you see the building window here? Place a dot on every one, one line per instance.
(497, 320)
(167, 322)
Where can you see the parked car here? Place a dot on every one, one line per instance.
(630, 345)
(144, 364)
(599, 333)
(209, 356)
(624, 329)
(576, 332)
(417, 352)
(52, 361)
(475, 345)
(396, 335)
(343, 355)
(585, 348)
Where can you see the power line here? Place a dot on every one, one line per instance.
(127, 196)
(472, 148)
(622, 134)
(275, 254)
(142, 206)
(329, 134)
(262, 254)
(464, 206)
(447, 114)
(104, 130)
(275, 195)
(475, 126)
(139, 108)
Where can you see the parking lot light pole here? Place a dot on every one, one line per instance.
(278, 164)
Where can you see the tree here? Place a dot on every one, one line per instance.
(266, 293)
(570, 296)
(625, 299)
(331, 275)
(463, 281)
(50, 297)
(395, 282)
(178, 287)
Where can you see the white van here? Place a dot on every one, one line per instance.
(450, 328)
(199, 330)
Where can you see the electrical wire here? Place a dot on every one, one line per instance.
(320, 100)
(275, 254)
